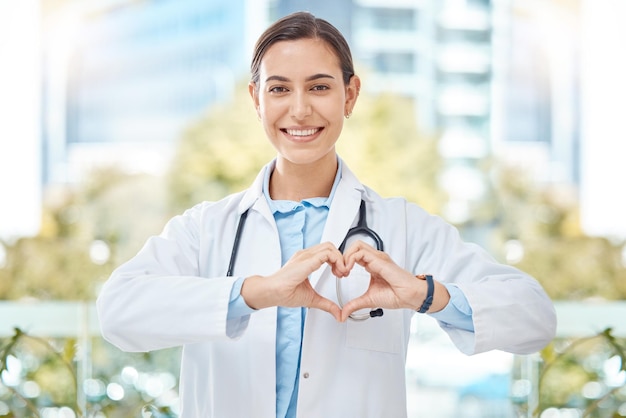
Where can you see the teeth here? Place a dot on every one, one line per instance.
(301, 132)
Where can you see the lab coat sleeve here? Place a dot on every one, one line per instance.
(510, 310)
(158, 299)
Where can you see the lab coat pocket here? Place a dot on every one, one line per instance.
(383, 334)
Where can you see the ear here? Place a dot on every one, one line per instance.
(352, 93)
(254, 94)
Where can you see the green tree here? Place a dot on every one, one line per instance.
(110, 208)
(543, 223)
(387, 150)
(219, 154)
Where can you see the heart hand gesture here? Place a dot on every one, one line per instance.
(391, 287)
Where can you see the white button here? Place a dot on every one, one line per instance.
(306, 375)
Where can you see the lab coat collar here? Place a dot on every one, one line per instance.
(348, 184)
(343, 213)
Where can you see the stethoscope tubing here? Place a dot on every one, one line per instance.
(360, 228)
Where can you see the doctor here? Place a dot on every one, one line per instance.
(270, 339)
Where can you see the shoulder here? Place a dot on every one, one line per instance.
(396, 203)
(373, 198)
(412, 217)
(225, 205)
(206, 213)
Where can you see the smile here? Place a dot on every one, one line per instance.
(302, 132)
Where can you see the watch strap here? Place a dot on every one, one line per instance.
(430, 292)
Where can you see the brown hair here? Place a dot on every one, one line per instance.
(303, 25)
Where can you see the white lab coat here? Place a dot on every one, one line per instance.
(175, 292)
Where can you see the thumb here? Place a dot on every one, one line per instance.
(320, 302)
(354, 305)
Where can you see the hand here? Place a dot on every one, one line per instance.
(290, 286)
(391, 286)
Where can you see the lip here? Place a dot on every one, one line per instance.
(302, 134)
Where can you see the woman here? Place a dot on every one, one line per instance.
(269, 338)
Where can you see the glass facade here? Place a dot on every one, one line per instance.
(141, 71)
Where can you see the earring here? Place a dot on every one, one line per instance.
(347, 116)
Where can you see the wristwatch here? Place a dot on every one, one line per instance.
(429, 294)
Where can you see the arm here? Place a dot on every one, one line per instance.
(157, 299)
(510, 309)
(457, 313)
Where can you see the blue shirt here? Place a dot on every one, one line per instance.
(300, 225)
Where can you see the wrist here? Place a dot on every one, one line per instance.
(430, 292)
(255, 293)
(440, 295)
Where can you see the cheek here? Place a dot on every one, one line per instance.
(333, 111)
(333, 105)
(269, 109)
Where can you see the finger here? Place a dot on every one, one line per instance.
(328, 253)
(340, 273)
(320, 302)
(362, 302)
(349, 253)
(356, 246)
(336, 261)
(305, 262)
(362, 255)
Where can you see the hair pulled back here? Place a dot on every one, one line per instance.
(303, 25)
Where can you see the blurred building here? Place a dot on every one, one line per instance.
(526, 81)
(558, 83)
(438, 53)
(133, 73)
(536, 107)
(124, 78)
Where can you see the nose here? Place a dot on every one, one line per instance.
(301, 106)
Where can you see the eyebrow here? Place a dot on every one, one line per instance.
(309, 78)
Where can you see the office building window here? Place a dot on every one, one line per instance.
(484, 3)
(464, 35)
(394, 62)
(390, 19)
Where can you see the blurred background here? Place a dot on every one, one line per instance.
(502, 116)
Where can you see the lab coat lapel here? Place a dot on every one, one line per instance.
(343, 214)
(254, 198)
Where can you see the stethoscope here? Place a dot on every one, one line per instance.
(360, 228)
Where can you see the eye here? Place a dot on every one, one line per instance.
(320, 87)
(277, 89)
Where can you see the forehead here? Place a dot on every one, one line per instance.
(302, 55)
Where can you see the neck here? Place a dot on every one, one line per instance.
(303, 181)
